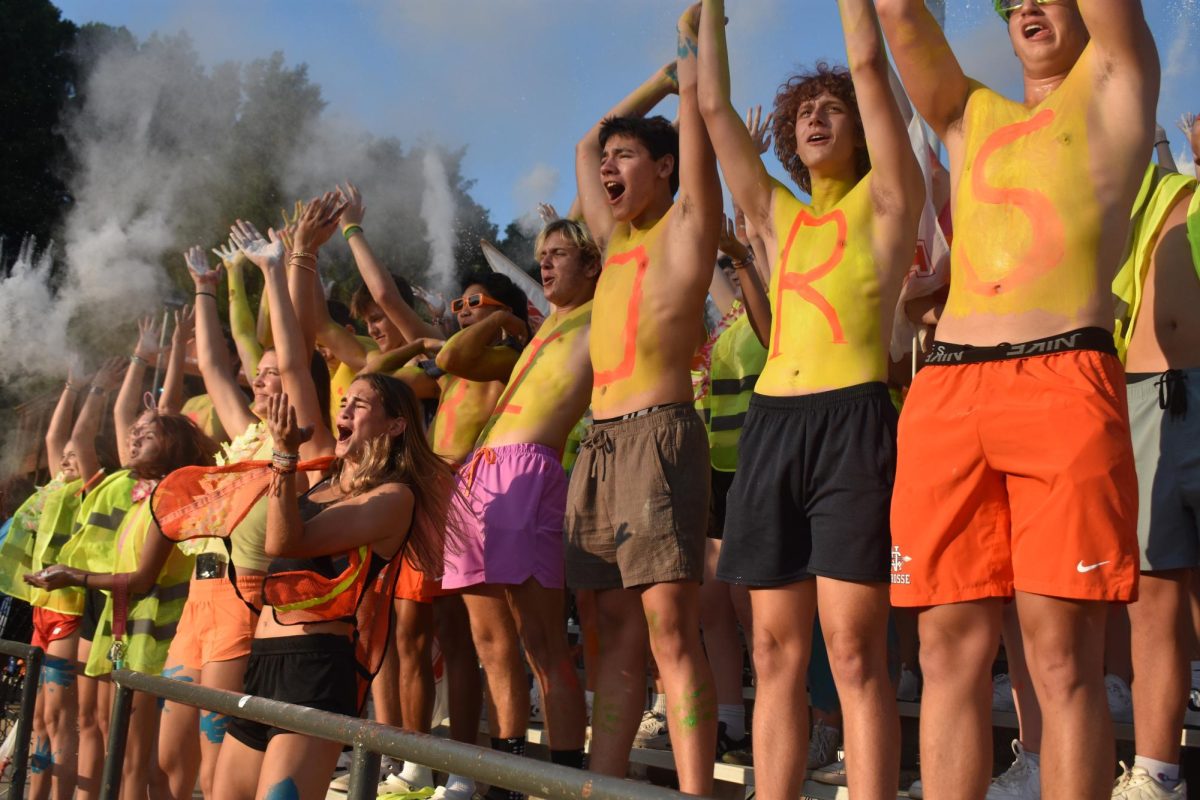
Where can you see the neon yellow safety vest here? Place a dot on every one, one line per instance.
(1160, 191)
(54, 531)
(17, 552)
(153, 617)
(737, 359)
(95, 528)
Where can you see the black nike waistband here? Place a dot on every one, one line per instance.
(947, 353)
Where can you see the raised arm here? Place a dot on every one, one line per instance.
(316, 224)
(592, 198)
(931, 73)
(382, 515)
(241, 319)
(393, 360)
(59, 432)
(171, 399)
(737, 152)
(212, 356)
(897, 185)
(379, 283)
(129, 400)
(294, 358)
(472, 352)
(87, 426)
(699, 201)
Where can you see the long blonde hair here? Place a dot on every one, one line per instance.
(407, 459)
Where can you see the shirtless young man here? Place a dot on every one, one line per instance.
(1158, 330)
(638, 502)
(514, 491)
(817, 452)
(1015, 472)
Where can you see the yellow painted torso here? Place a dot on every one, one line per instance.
(462, 412)
(1027, 223)
(826, 330)
(640, 344)
(535, 396)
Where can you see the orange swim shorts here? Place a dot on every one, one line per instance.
(50, 626)
(412, 584)
(1015, 472)
(216, 625)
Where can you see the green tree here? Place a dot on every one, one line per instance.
(36, 78)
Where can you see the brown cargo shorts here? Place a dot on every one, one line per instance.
(637, 508)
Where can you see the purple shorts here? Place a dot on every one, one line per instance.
(513, 501)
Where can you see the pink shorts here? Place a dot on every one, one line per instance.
(512, 500)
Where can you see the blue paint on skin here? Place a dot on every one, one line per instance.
(286, 789)
(42, 758)
(213, 726)
(58, 671)
(173, 674)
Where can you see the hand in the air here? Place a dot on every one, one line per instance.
(147, 347)
(548, 213)
(262, 253)
(231, 255)
(355, 209)
(110, 375)
(318, 222)
(760, 129)
(185, 326)
(204, 277)
(285, 431)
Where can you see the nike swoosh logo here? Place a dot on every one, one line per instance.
(1081, 567)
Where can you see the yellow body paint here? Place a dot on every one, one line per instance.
(626, 343)
(1027, 225)
(531, 395)
(463, 411)
(825, 294)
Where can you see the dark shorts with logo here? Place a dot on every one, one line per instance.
(317, 671)
(813, 489)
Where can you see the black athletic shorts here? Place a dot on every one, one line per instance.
(93, 609)
(317, 671)
(813, 490)
(721, 481)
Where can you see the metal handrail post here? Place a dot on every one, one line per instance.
(364, 774)
(118, 735)
(32, 656)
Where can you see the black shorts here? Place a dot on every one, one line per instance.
(317, 671)
(93, 609)
(813, 490)
(721, 481)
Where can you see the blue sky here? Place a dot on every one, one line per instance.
(518, 81)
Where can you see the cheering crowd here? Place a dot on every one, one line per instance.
(450, 481)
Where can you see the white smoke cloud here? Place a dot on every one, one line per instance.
(437, 210)
(536, 186)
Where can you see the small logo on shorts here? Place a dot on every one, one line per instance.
(1081, 567)
(899, 560)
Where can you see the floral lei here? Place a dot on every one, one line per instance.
(243, 446)
(702, 362)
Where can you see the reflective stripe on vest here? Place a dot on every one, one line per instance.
(737, 359)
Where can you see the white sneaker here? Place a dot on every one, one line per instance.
(1021, 781)
(909, 687)
(535, 704)
(1138, 784)
(832, 774)
(1120, 698)
(916, 790)
(823, 745)
(1002, 696)
(652, 732)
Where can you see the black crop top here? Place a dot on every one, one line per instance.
(329, 567)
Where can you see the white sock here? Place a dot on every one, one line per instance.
(1161, 771)
(658, 703)
(734, 717)
(417, 774)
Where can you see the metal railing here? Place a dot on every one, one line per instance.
(32, 656)
(370, 740)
